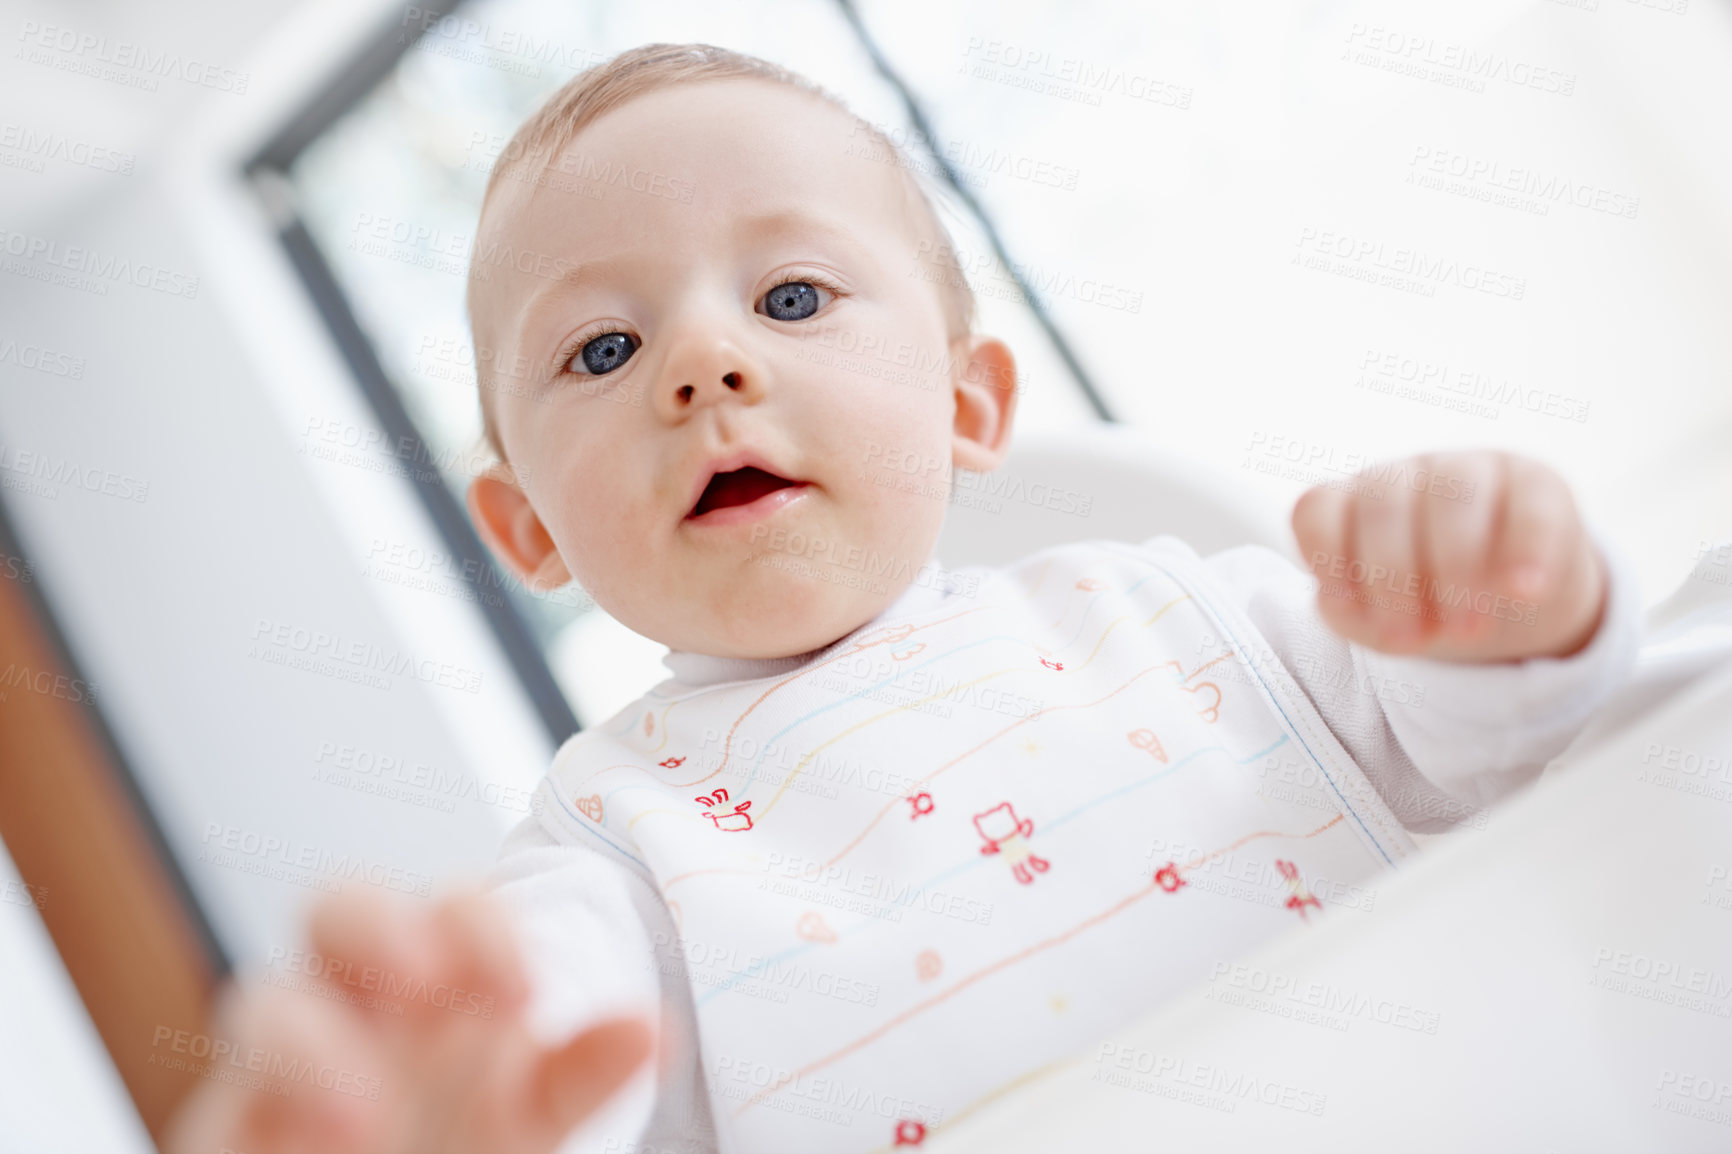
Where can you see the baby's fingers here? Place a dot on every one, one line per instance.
(570, 1083)
(369, 945)
(1323, 523)
(456, 957)
(1539, 531)
(1387, 570)
(281, 1078)
(322, 1078)
(1547, 564)
(1319, 523)
(480, 956)
(1458, 519)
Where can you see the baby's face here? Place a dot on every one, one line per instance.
(688, 437)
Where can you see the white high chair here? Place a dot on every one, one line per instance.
(1131, 490)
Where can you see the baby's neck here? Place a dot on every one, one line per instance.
(699, 669)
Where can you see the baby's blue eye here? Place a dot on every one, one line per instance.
(607, 352)
(794, 301)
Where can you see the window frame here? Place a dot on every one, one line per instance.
(267, 172)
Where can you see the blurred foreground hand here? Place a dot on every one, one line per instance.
(456, 1073)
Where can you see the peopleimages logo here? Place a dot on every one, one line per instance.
(40, 359)
(21, 469)
(1458, 388)
(280, 642)
(89, 53)
(229, 845)
(90, 262)
(1541, 188)
(393, 987)
(45, 683)
(1365, 258)
(1066, 77)
(1453, 64)
(253, 1066)
(37, 147)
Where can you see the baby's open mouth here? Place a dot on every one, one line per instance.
(738, 487)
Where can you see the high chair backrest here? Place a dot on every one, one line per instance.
(1101, 481)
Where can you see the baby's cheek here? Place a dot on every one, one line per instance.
(600, 536)
(908, 518)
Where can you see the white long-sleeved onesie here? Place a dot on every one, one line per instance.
(869, 888)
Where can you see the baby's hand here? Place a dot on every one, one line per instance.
(1457, 556)
(456, 1073)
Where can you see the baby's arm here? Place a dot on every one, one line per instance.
(599, 942)
(1455, 712)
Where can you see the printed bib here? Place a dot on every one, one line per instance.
(961, 844)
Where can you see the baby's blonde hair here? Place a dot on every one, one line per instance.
(540, 140)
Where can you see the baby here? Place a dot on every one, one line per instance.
(888, 842)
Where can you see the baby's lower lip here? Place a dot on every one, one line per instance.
(752, 510)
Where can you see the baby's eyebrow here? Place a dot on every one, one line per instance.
(793, 221)
(544, 299)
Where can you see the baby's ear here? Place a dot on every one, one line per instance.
(508, 523)
(985, 384)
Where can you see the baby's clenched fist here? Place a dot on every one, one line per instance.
(1476, 556)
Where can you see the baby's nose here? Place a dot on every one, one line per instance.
(708, 364)
(733, 381)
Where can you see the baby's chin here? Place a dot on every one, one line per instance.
(803, 618)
